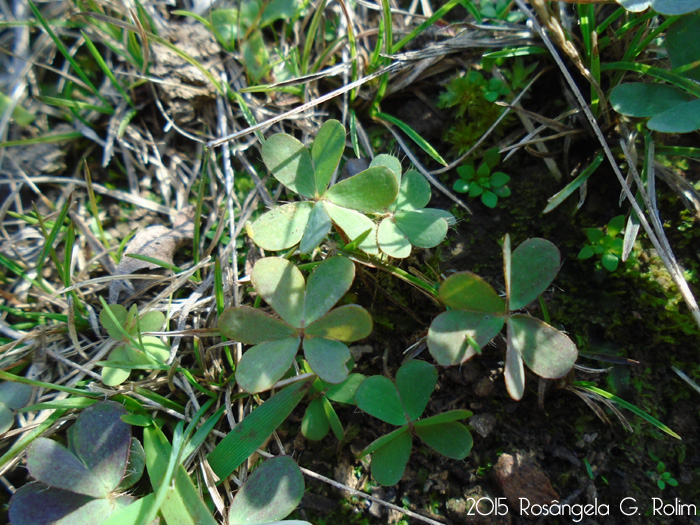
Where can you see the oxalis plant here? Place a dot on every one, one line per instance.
(477, 314)
(378, 206)
(401, 403)
(84, 482)
(134, 350)
(306, 318)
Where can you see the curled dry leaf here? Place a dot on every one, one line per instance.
(159, 242)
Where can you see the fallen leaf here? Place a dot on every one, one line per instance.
(158, 242)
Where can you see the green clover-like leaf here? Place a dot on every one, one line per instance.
(306, 311)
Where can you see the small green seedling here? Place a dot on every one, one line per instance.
(481, 181)
(84, 483)
(608, 246)
(134, 349)
(269, 495)
(307, 318)
(320, 416)
(672, 108)
(401, 403)
(408, 222)
(662, 477)
(471, 97)
(308, 174)
(477, 314)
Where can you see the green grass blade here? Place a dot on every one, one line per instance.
(164, 401)
(252, 432)
(682, 151)
(153, 260)
(92, 200)
(105, 68)
(179, 502)
(155, 38)
(311, 37)
(7, 376)
(677, 80)
(437, 15)
(46, 139)
(64, 51)
(48, 242)
(585, 385)
(559, 197)
(71, 402)
(202, 432)
(17, 270)
(247, 113)
(414, 136)
(28, 438)
(524, 51)
(74, 104)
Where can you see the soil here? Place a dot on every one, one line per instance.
(606, 471)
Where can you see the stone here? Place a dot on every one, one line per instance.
(519, 477)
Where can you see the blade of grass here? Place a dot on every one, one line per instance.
(7, 376)
(413, 135)
(105, 68)
(586, 385)
(155, 261)
(64, 51)
(172, 47)
(19, 445)
(95, 212)
(17, 270)
(46, 139)
(253, 430)
(198, 218)
(311, 37)
(74, 104)
(684, 83)
(71, 402)
(184, 505)
(559, 197)
(437, 15)
(202, 432)
(164, 401)
(51, 238)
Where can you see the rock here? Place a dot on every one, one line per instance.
(484, 387)
(519, 477)
(483, 424)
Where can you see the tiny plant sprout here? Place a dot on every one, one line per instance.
(477, 314)
(401, 403)
(82, 483)
(482, 181)
(607, 246)
(133, 348)
(306, 316)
